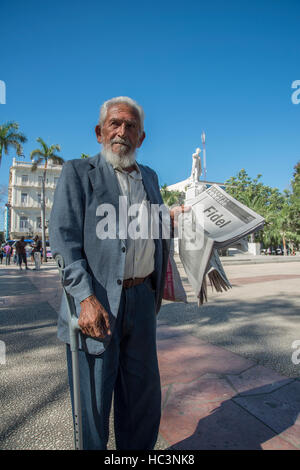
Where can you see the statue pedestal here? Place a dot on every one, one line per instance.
(194, 189)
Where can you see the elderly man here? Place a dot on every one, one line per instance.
(117, 281)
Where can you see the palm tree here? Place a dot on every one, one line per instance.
(171, 197)
(42, 156)
(11, 137)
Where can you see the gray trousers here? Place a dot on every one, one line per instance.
(127, 370)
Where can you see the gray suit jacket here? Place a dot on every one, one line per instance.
(94, 266)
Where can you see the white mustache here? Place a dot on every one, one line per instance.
(120, 141)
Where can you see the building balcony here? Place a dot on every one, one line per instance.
(30, 206)
(33, 185)
(27, 229)
(28, 165)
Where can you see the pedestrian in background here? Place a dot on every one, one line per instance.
(14, 254)
(36, 252)
(7, 251)
(21, 253)
(1, 254)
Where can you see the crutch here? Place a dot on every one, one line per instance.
(74, 346)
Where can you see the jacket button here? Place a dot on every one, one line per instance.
(119, 281)
(123, 249)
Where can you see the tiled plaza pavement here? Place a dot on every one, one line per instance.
(212, 398)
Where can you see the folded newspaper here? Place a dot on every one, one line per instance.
(216, 220)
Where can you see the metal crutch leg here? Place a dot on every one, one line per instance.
(74, 346)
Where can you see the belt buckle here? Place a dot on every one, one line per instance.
(131, 282)
(128, 283)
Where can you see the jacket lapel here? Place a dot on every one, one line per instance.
(104, 181)
(150, 188)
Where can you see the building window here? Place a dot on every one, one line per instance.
(23, 223)
(39, 197)
(38, 222)
(24, 199)
(56, 181)
(24, 179)
(40, 180)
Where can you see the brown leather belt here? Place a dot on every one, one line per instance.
(127, 283)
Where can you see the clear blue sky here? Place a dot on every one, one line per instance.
(222, 66)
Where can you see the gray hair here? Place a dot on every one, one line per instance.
(121, 99)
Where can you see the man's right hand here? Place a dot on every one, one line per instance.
(93, 320)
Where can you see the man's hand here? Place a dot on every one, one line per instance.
(93, 319)
(174, 213)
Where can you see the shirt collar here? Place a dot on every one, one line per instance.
(135, 174)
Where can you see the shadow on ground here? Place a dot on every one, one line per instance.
(263, 330)
(253, 421)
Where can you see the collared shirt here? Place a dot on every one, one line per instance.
(140, 251)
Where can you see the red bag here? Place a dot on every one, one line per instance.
(173, 290)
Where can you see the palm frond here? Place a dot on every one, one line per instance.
(17, 136)
(56, 160)
(10, 137)
(54, 148)
(36, 163)
(9, 125)
(43, 144)
(14, 144)
(37, 153)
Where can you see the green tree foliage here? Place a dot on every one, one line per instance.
(171, 197)
(42, 156)
(10, 137)
(293, 209)
(280, 210)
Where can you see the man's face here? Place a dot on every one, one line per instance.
(120, 131)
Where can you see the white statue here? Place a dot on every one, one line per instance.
(196, 168)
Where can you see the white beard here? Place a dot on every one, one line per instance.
(114, 159)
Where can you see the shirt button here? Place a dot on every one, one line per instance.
(119, 282)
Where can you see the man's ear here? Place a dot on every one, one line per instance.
(141, 139)
(98, 133)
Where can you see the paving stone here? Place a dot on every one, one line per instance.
(277, 443)
(279, 410)
(187, 396)
(213, 426)
(165, 332)
(239, 281)
(188, 359)
(200, 408)
(258, 380)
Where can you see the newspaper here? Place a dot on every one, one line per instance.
(224, 219)
(215, 220)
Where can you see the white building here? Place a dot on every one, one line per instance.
(24, 198)
(182, 185)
